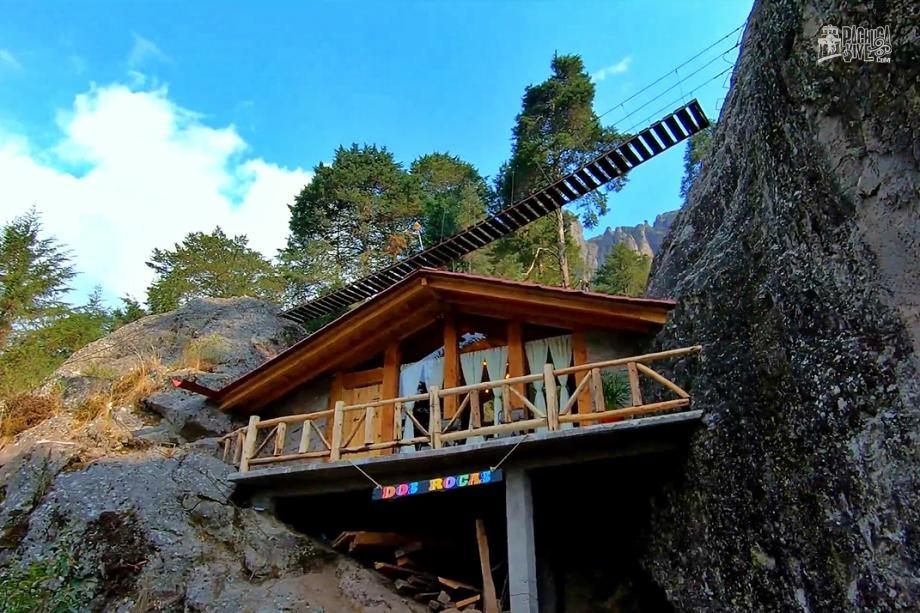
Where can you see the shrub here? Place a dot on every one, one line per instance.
(47, 586)
(616, 389)
(205, 352)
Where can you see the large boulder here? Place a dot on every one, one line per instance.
(796, 262)
(120, 501)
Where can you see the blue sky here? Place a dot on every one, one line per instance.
(129, 124)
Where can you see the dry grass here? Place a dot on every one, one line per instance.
(127, 390)
(205, 352)
(27, 411)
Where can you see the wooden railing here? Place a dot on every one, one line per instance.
(264, 441)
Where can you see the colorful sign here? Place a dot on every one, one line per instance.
(439, 484)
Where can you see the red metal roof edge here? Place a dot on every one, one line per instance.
(218, 395)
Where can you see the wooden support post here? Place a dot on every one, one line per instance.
(389, 388)
(516, 359)
(249, 444)
(238, 448)
(451, 365)
(226, 443)
(398, 422)
(306, 426)
(475, 410)
(434, 423)
(336, 393)
(597, 390)
(280, 433)
(338, 425)
(634, 384)
(370, 426)
(552, 397)
(490, 601)
(579, 358)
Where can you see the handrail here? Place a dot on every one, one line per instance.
(242, 446)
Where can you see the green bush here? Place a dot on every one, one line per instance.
(205, 352)
(616, 389)
(45, 586)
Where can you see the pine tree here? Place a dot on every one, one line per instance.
(353, 218)
(698, 148)
(556, 132)
(210, 265)
(624, 272)
(34, 273)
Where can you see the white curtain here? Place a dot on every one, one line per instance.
(471, 365)
(433, 372)
(536, 357)
(496, 363)
(409, 379)
(560, 349)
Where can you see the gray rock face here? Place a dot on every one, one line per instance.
(144, 515)
(797, 265)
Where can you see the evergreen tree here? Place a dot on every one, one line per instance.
(129, 311)
(32, 354)
(556, 132)
(355, 217)
(34, 273)
(624, 272)
(210, 265)
(454, 196)
(698, 147)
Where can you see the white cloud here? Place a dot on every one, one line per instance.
(133, 171)
(144, 50)
(620, 67)
(9, 60)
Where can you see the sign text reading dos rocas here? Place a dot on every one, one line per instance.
(439, 484)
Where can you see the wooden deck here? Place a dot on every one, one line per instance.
(537, 417)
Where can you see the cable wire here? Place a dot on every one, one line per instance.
(668, 73)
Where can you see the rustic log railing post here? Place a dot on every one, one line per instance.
(370, 425)
(635, 394)
(249, 443)
(238, 448)
(597, 383)
(280, 433)
(338, 424)
(475, 410)
(434, 427)
(397, 421)
(552, 400)
(306, 426)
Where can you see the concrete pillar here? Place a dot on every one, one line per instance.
(522, 558)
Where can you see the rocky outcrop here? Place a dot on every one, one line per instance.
(644, 238)
(131, 497)
(796, 262)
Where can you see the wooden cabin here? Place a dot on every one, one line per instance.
(502, 358)
(472, 378)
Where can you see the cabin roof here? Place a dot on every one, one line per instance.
(414, 304)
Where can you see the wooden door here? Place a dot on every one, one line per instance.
(357, 420)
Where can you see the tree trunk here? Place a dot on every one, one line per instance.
(560, 243)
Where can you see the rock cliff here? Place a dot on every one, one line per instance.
(796, 262)
(124, 488)
(644, 238)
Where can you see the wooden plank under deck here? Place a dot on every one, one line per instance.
(654, 434)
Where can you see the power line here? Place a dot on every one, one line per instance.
(679, 83)
(668, 73)
(676, 101)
